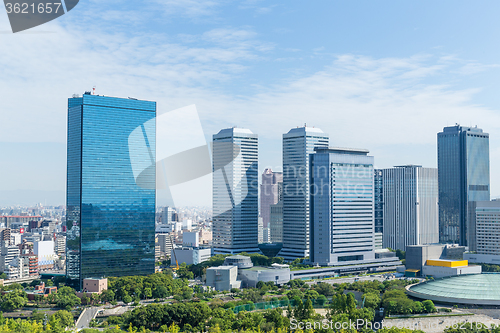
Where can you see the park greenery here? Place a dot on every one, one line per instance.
(162, 303)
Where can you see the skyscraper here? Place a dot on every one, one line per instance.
(464, 178)
(235, 191)
(110, 187)
(298, 144)
(410, 209)
(269, 193)
(342, 203)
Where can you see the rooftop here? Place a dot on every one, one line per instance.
(465, 289)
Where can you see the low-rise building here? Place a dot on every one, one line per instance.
(438, 268)
(223, 277)
(192, 256)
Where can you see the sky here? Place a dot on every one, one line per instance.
(386, 76)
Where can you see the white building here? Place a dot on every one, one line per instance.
(223, 277)
(235, 191)
(487, 233)
(298, 143)
(190, 239)
(410, 208)
(342, 206)
(192, 256)
(45, 252)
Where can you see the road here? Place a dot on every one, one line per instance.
(86, 317)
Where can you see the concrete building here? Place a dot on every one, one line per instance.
(378, 201)
(235, 191)
(464, 178)
(45, 252)
(192, 256)
(95, 285)
(342, 203)
(418, 255)
(298, 144)
(166, 216)
(410, 206)
(8, 253)
(269, 193)
(378, 240)
(190, 239)
(278, 274)
(439, 268)
(223, 277)
(165, 243)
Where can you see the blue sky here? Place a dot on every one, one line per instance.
(381, 75)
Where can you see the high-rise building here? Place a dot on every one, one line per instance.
(298, 144)
(235, 191)
(488, 228)
(111, 181)
(166, 216)
(269, 193)
(410, 209)
(276, 223)
(464, 178)
(342, 206)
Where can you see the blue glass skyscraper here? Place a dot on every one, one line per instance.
(111, 182)
(463, 179)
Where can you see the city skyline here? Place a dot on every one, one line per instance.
(386, 82)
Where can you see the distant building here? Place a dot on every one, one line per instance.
(464, 178)
(192, 256)
(410, 206)
(276, 223)
(223, 278)
(235, 191)
(269, 193)
(298, 144)
(46, 255)
(342, 202)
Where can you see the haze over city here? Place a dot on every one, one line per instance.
(386, 77)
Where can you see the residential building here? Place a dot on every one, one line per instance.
(464, 178)
(410, 206)
(342, 206)
(298, 144)
(111, 185)
(235, 191)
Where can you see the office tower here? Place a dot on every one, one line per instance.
(464, 177)
(110, 187)
(235, 191)
(298, 143)
(276, 223)
(379, 208)
(410, 206)
(269, 193)
(342, 206)
(488, 229)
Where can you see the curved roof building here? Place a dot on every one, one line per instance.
(479, 289)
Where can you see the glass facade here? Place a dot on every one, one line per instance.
(464, 178)
(110, 218)
(235, 191)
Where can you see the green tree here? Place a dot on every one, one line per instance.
(127, 299)
(65, 318)
(14, 300)
(160, 292)
(428, 306)
(108, 295)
